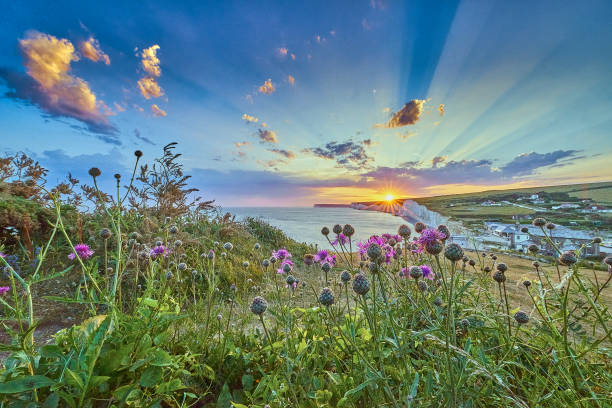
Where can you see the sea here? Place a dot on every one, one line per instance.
(304, 223)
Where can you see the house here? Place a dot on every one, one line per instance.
(534, 197)
(564, 238)
(565, 206)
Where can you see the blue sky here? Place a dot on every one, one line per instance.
(353, 100)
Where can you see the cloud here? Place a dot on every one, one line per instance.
(412, 176)
(285, 153)
(406, 135)
(378, 4)
(150, 62)
(143, 138)
(92, 51)
(267, 136)
(291, 80)
(267, 88)
(119, 107)
(50, 86)
(241, 144)
(408, 115)
(157, 111)
(437, 160)
(148, 86)
(249, 118)
(293, 57)
(349, 155)
(283, 51)
(366, 25)
(441, 109)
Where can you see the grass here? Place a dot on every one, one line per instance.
(191, 311)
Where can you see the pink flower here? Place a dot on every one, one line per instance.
(158, 250)
(2, 255)
(286, 261)
(429, 236)
(321, 256)
(281, 254)
(342, 239)
(4, 289)
(82, 251)
(427, 272)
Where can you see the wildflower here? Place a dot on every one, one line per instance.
(348, 230)
(415, 272)
(402, 273)
(157, 251)
(173, 229)
(419, 227)
(568, 258)
(404, 231)
(341, 238)
(309, 259)
(521, 317)
(228, 246)
(211, 254)
(429, 236)
(499, 277)
(94, 172)
(422, 285)
(337, 229)
(361, 286)
(281, 254)
(4, 289)
(326, 297)
(427, 272)
(325, 231)
(105, 233)
(286, 266)
(324, 256)
(82, 251)
(539, 222)
(502, 267)
(444, 230)
(345, 276)
(374, 251)
(434, 248)
(453, 252)
(259, 305)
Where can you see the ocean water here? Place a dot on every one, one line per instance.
(304, 223)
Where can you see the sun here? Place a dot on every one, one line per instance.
(389, 197)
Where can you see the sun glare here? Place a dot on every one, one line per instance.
(389, 197)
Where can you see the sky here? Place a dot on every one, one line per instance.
(277, 103)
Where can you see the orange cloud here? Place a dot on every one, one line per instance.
(149, 88)
(91, 50)
(441, 109)
(293, 57)
(249, 118)
(291, 80)
(157, 111)
(267, 88)
(54, 89)
(119, 107)
(409, 115)
(150, 61)
(283, 51)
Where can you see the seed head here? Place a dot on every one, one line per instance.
(105, 233)
(422, 285)
(290, 280)
(245, 264)
(345, 276)
(438, 301)
(373, 267)
(472, 262)
(444, 229)
(453, 252)
(533, 248)
(173, 229)
(287, 268)
(182, 266)
(487, 269)
(374, 251)
(502, 267)
(273, 259)
(524, 230)
(526, 283)
(325, 231)
(228, 246)
(465, 323)
(256, 246)
(266, 263)
(434, 248)
(117, 176)
(536, 264)
(326, 267)
(348, 230)
(94, 172)
(550, 226)
(539, 222)
(309, 259)
(219, 317)
(521, 317)
(597, 240)
(568, 258)
(415, 272)
(419, 227)
(169, 275)
(223, 254)
(499, 277)
(259, 305)
(211, 254)
(337, 229)
(404, 231)
(361, 286)
(178, 243)
(326, 297)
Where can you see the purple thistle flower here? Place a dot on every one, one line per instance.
(342, 239)
(82, 251)
(281, 254)
(4, 289)
(321, 256)
(158, 250)
(430, 236)
(2, 255)
(402, 273)
(427, 272)
(285, 261)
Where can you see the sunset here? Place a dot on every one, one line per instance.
(266, 204)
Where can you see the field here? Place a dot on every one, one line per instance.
(163, 302)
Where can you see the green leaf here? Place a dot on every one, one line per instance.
(161, 358)
(73, 378)
(151, 376)
(225, 397)
(235, 405)
(208, 372)
(247, 382)
(25, 384)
